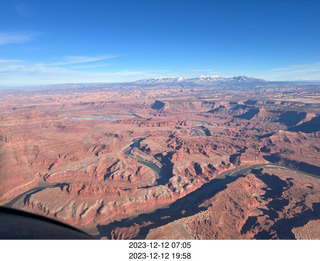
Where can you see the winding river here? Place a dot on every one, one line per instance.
(186, 206)
(163, 174)
(183, 207)
(194, 128)
(20, 200)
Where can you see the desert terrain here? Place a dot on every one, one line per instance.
(166, 158)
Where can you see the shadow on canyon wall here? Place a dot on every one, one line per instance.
(184, 207)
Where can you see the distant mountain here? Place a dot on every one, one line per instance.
(202, 80)
(158, 80)
(245, 79)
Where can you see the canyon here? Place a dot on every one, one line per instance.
(169, 158)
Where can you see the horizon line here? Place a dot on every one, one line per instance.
(12, 87)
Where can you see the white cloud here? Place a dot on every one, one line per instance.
(88, 66)
(12, 38)
(87, 59)
(300, 72)
(24, 73)
(70, 60)
(72, 69)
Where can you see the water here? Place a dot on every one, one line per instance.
(110, 119)
(194, 128)
(195, 131)
(92, 118)
(102, 117)
(85, 118)
(162, 173)
(186, 206)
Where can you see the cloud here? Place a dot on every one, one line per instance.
(300, 72)
(71, 60)
(11, 65)
(90, 66)
(24, 73)
(81, 69)
(12, 38)
(87, 59)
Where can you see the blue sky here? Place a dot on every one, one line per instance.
(74, 41)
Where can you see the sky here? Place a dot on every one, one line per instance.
(46, 42)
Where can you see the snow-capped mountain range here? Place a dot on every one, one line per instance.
(199, 80)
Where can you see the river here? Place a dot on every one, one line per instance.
(103, 118)
(92, 118)
(163, 174)
(20, 200)
(186, 206)
(194, 128)
(183, 207)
